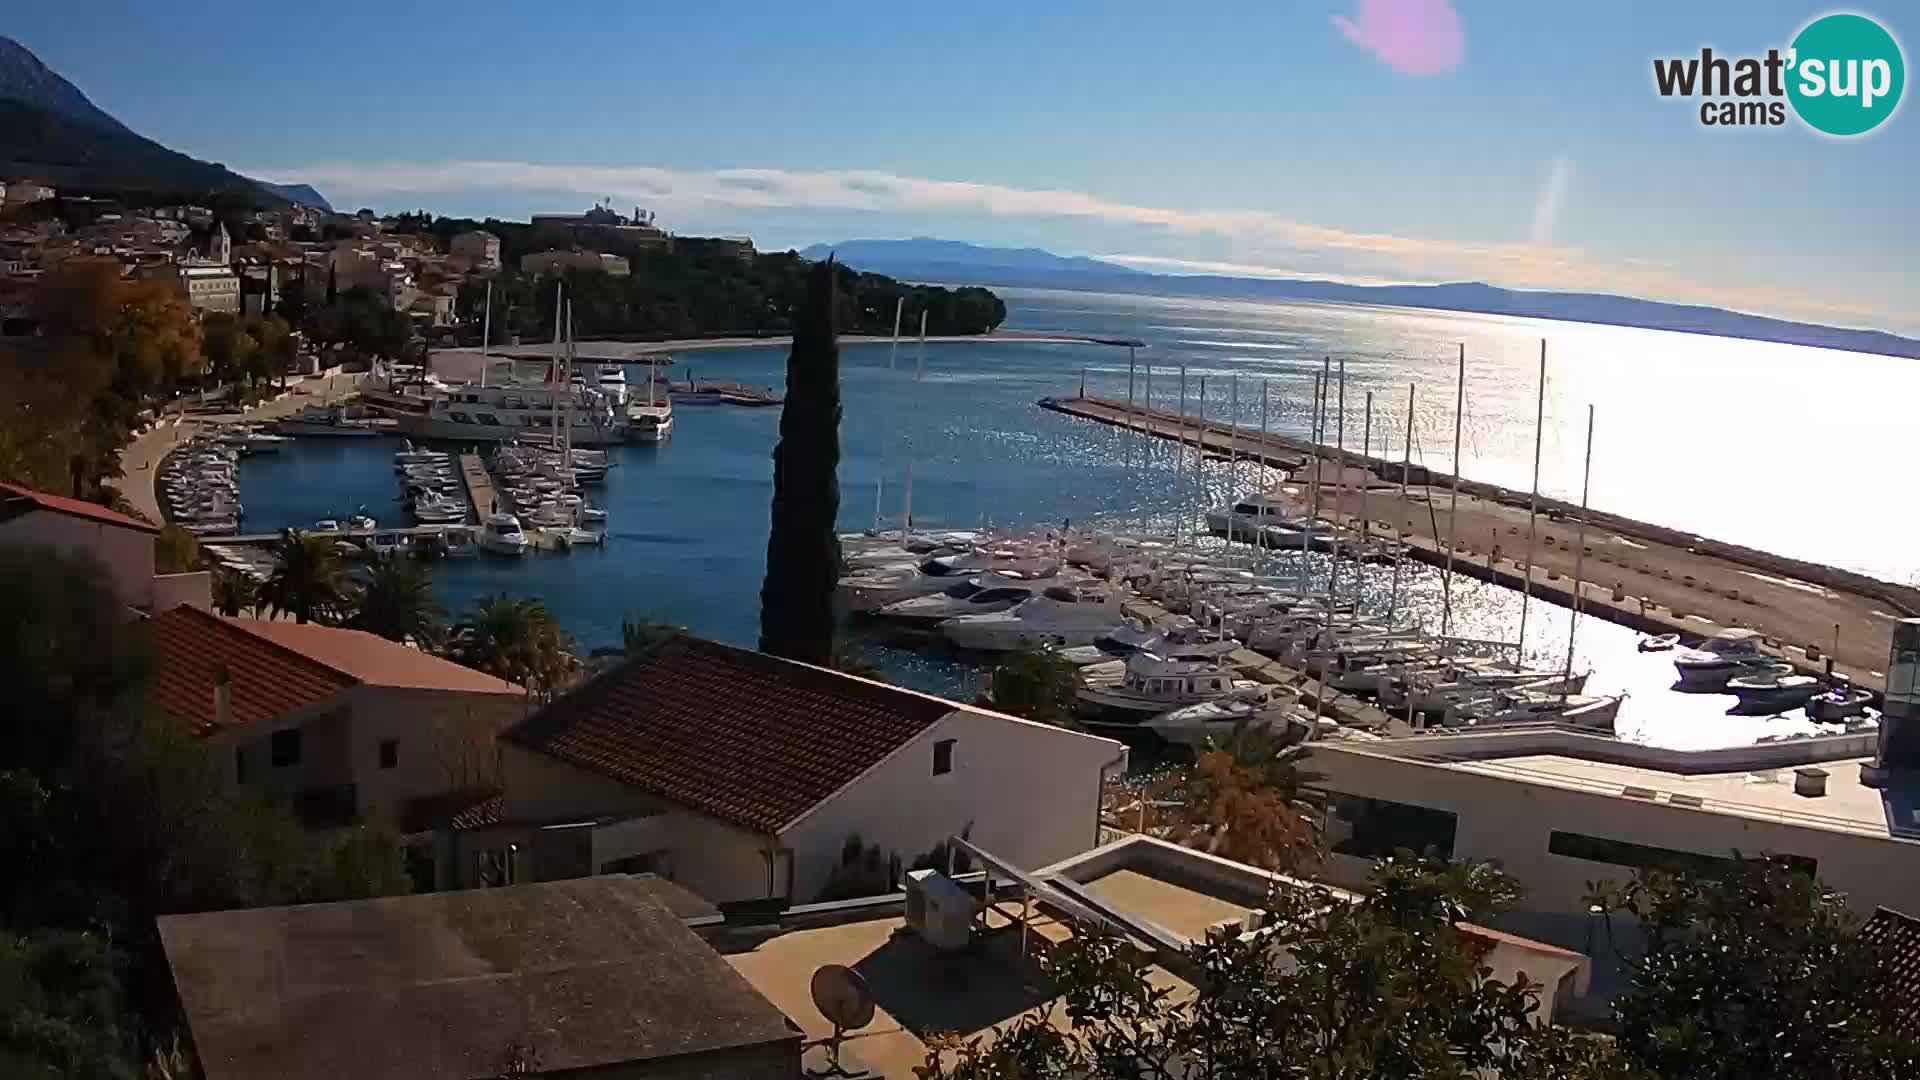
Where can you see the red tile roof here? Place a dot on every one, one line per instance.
(277, 667)
(744, 737)
(1898, 935)
(11, 494)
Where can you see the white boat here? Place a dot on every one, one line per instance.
(458, 543)
(261, 442)
(329, 420)
(1839, 704)
(1270, 709)
(473, 413)
(585, 537)
(1248, 519)
(1528, 707)
(978, 595)
(1721, 657)
(876, 589)
(326, 525)
(1058, 617)
(1774, 689)
(650, 420)
(501, 535)
(361, 522)
(1152, 685)
(592, 513)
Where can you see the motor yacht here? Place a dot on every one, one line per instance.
(1774, 689)
(501, 535)
(978, 595)
(1152, 685)
(1723, 656)
(1270, 709)
(1057, 617)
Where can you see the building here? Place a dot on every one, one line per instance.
(742, 776)
(479, 246)
(122, 545)
(22, 192)
(343, 722)
(728, 247)
(1559, 810)
(603, 229)
(1160, 897)
(603, 977)
(552, 262)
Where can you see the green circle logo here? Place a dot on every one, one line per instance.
(1846, 76)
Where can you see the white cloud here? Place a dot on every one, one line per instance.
(1253, 237)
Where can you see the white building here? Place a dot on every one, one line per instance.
(741, 776)
(1559, 810)
(122, 545)
(210, 288)
(21, 192)
(482, 247)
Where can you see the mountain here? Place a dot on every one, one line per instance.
(925, 256)
(299, 195)
(1042, 270)
(50, 131)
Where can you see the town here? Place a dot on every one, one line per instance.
(458, 646)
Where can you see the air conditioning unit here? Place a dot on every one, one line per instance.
(939, 910)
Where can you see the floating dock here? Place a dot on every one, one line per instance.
(481, 498)
(1648, 577)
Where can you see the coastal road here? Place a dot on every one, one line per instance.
(140, 461)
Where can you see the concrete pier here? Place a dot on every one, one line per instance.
(1649, 577)
(481, 497)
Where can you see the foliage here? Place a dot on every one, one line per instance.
(517, 640)
(364, 322)
(175, 551)
(308, 580)
(228, 348)
(803, 551)
(1385, 986)
(61, 1010)
(640, 637)
(1038, 685)
(396, 601)
(1762, 973)
(234, 592)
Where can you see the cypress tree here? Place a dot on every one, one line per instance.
(333, 284)
(803, 551)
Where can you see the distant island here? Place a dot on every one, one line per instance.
(953, 262)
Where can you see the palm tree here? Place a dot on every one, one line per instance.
(516, 640)
(234, 593)
(397, 602)
(307, 580)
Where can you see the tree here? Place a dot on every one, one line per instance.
(1037, 685)
(396, 602)
(803, 552)
(61, 1008)
(517, 640)
(308, 580)
(227, 346)
(175, 551)
(1388, 985)
(1761, 973)
(275, 348)
(641, 637)
(234, 592)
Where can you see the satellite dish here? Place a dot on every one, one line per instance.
(842, 997)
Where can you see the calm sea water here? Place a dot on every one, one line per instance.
(1743, 441)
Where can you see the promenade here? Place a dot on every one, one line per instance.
(140, 460)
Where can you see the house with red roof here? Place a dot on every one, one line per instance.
(741, 776)
(341, 722)
(122, 545)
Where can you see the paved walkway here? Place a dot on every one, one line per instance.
(140, 461)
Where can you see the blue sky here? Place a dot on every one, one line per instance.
(1258, 135)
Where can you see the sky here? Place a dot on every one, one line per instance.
(1509, 141)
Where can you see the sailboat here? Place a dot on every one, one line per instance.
(650, 421)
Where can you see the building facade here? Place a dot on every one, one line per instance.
(482, 247)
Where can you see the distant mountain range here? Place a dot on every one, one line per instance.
(956, 263)
(50, 131)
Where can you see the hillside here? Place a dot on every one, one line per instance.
(990, 267)
(51, 131)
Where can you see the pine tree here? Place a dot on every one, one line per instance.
(803, 553)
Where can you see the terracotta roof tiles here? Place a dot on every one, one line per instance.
(60, 504)
(748, 738)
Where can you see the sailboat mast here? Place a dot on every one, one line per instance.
(1200, 450)
(919, 373)
(1453, 502)
(486, 332)
(1339, 487)
(1400, 554)
(1366, 466)
(1146, 453)
(880, 476)
(556, 377)
(1579, 553)
(1233, 459)
(1313, 483)
(1533, 503)
(1180, 467)
(1260, 507)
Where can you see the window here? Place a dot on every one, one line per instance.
(1647, 857)
(1376, 828)
(389, 753)
(286, 748)
(943, 757)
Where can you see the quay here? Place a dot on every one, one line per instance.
(258, 539)
(481, 498)
(1649, 577)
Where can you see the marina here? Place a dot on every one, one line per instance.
(686, 518)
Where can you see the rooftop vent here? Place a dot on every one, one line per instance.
(1810, 782)
(1638, 793)
(1684, 800)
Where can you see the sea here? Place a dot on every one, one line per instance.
(1782, 447)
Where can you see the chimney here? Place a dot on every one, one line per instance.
(222, 697)
(1810, 782)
